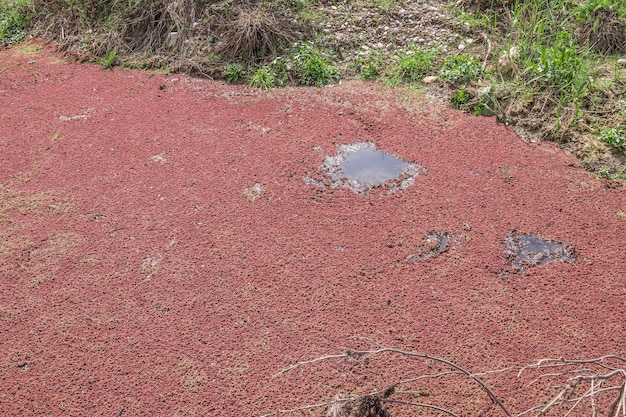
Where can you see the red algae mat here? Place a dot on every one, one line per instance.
(162, 253)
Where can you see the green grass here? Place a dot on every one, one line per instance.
(413, 65)
(108, 61)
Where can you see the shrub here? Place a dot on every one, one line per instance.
(602, 23)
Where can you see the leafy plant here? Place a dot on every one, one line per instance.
(606, 174)
(560, 65)
(109, 60)
(460, 97)
(263, 79)
(14, 18)
(234, 72)
(371, 65)
(587, 9)
(460, 69)
(311, 67)
(413, 65)
(614, 137)
(270, 75)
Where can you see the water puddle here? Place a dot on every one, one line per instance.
(361, 167)
(531, 249)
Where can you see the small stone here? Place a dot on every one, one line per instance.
(461, 46)
(622, 62)
(430, 79)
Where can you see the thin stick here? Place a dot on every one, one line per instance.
(359, 353)
(434, 407)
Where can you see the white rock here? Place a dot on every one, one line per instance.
(430, 79)
(621, 61)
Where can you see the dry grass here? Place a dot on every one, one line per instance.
(255, 33)
(190, 36)
(605, 32)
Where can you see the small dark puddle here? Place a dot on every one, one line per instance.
(361, 167)
(531, 249)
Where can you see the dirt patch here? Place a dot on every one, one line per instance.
(167, 282)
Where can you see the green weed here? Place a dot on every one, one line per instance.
(263, 79)
(607, 174)
(587, 9)
(560, 65)
(371, 65)
(413, 65)
(270, 75)
(14, 19)
(613, 137)
(460, 68)
(108, 61)
(234, 72)
(311, 67)
(460, 97)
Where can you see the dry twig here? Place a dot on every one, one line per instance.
(594, 374)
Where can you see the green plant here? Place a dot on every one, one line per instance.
(263, 79)
(487, 102)
(560, 65)
(311, 66)
(270, 75)
(586, 10)
(234, 72)
(613, 137)
(370, 65)
(369, 71)
(606, 174)
(460, 97)
(14, 18)
(109, 60)
(413, 65)
(460, 68)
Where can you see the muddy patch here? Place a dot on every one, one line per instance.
(435, 244)
(531, 249)
(360, 167)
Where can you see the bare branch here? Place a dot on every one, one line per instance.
(573, 374)
(434, 407)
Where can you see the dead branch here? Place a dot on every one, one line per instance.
(357, 354)
(575, 373)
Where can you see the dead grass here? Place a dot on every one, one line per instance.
(604, 31)
(255, 33)
(188, 36)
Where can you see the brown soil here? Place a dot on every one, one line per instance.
(138, 274)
